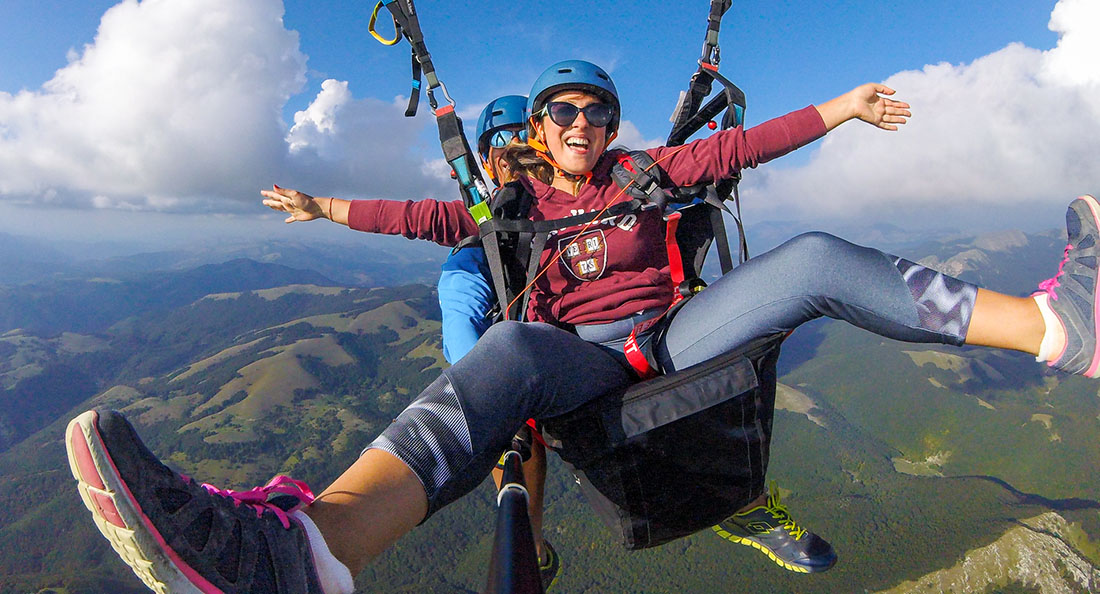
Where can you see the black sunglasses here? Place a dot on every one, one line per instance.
(564, 114)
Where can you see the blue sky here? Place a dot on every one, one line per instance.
(118, 119)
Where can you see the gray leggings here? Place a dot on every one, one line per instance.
(453, 433)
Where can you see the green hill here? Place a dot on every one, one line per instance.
(928, 468)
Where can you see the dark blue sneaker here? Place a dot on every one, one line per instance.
(1072, 292)
(771, 529)
(179, 536)
(549, 566)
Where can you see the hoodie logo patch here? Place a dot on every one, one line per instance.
(584, 255)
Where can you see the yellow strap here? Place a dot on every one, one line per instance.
(374, 18)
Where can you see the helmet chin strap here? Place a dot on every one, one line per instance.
(488, 169)
(537, 142)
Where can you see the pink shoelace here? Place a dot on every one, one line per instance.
(256, 497)
(1052, 283)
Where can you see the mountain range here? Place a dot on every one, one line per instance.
(929, 468)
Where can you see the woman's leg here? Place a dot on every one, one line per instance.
(816, 275)
(1005, 322)
(364, 511)
(448, 439)
(177, 534)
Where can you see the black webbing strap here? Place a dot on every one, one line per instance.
(538, 242)
(729, 100)
(456, 149)
(490, 240)
(683, 124)
(714, 23)
(743, 246)
(404, 17)
(525, 225)
(692, 114)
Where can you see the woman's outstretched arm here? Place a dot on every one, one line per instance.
(445, 223)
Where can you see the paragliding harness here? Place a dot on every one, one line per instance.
(677, 453)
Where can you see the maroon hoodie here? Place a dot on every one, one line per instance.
(617, 266)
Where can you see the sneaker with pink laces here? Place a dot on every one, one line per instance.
(1071, 293)
(179, 536)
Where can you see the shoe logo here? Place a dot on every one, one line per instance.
(759, 527)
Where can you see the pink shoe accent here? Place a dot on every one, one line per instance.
(1052, 283)
(90, 475)
(107, 509)
(84, 462)
(256, 497)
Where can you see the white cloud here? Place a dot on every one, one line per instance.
(177, 105)
(1008, 132)
(173, 98)
(362, 147)
(631, 138)
(318, 121)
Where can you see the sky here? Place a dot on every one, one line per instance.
(161, 120)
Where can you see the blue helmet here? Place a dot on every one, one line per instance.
(574, 75)
(509, 111)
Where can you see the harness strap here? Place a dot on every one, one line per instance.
(456, 149)
(528, 226)
(491, 242)
(407, 24)
(537, 245)
(634, 354)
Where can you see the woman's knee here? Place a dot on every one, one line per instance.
(516, 339)
(809, 252)
(815, 244)
(506, 333)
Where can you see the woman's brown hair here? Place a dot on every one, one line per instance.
(522, 159)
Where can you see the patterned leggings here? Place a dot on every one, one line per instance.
(452, 434)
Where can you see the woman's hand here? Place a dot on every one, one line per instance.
(865, 102)
(300, 206)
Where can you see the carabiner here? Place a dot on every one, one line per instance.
(446, 95)
(712, 54)
(374, 18)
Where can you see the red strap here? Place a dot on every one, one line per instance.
(446, 109)
(675, 260)
(636, 357)
(633, 352)
(627, 162)
(536, 431)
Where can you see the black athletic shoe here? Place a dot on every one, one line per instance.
(179, 536)
(550, 569)
(771, 529)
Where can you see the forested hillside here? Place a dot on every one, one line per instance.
(928, 468)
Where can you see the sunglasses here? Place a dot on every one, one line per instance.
(501, 138)
(564, 114)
